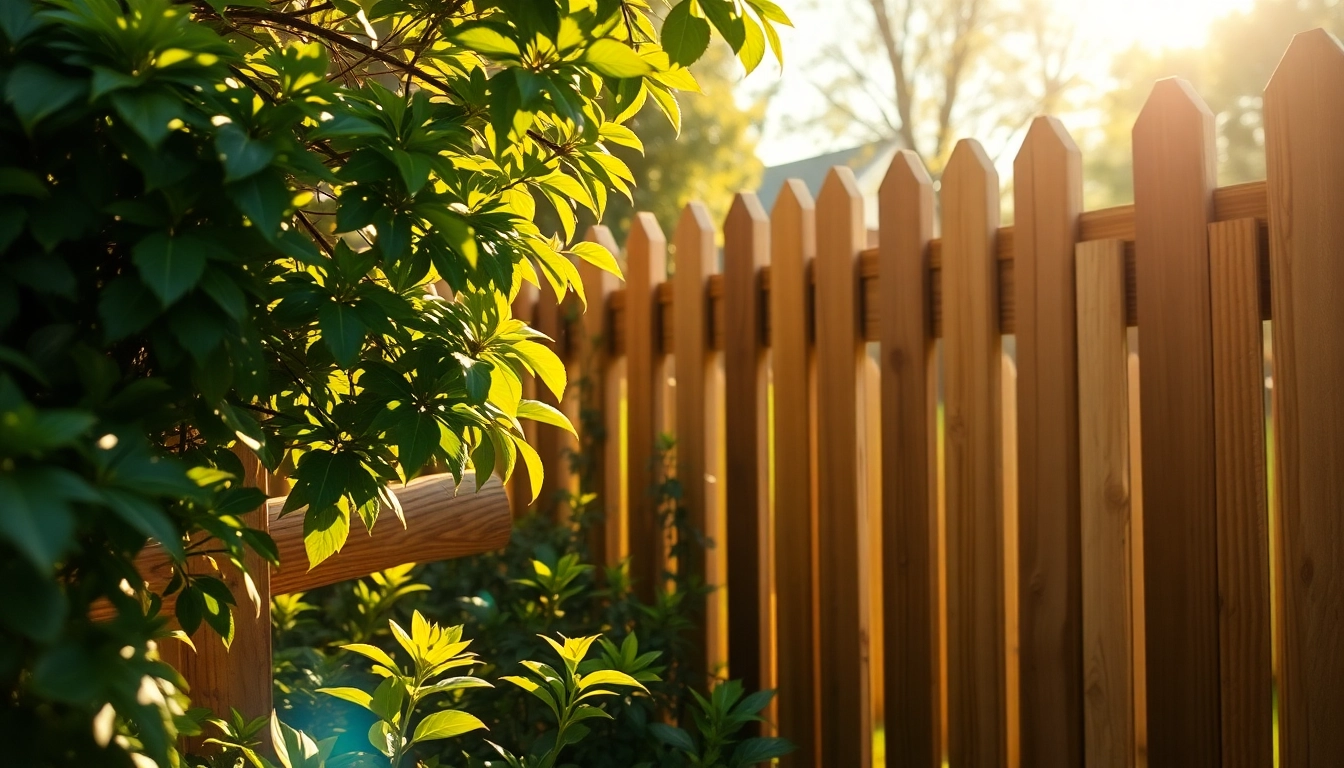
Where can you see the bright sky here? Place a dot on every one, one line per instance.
(1104, 27)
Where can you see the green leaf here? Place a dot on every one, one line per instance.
(241, 154)
(170, 266)
(444, 725)
(453, 228)
(416, 435)
(372, 652)
(597, 255)
(262, 198)
(545, 364)
(685, 37)
(608, 677)
(147, 517)
(615, 59)
(388, 698)
(760, 750)
(753, 45)
(726, 19)
(324, 533)
(148, 112)
(546, 414)
(771, 12)
(343, 331)
(673, 737)
(36, 519)
(25, 183)
(36, 92)
(487, 40)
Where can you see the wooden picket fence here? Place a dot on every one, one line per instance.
(1061, 559)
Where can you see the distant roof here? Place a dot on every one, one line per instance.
(869, 162)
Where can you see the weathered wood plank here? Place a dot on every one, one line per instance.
(746, 248)
(977, 678)
(1304, 120)
(1174, 170)
(646, 268)
(792, 248)
(911, 566)
(697, 424)
(841, 483)
(1243, 514)
(599, 422)
(1048, 198)
(1105, 497)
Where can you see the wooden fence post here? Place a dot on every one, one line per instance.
(1105, 496)
(1174, 170)
(239, 676)
(746, 248)
(1243, 512)
(646, 268)
(598, 431)
(1304, 119)
(976, 622)
(696, 413)
(846, 719)
(1048, 198)
(792, 248)
(911, 567)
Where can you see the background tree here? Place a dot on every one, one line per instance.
(220, 223)
(1229, 71)
(927, 72)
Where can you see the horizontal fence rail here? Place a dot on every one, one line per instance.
(1002, 497)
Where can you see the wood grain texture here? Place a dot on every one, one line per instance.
(746, 248)
(909, 390)
(792, 248)
(1174, 163)
(841, 484)
(239, 676)
(1243, 514)
(442, 523)
(977, 678)
(646, 268)
(1136, 611)
(1304, 118)
(598, 428)
(1048, 198)
(1105, 497)
(697, 427)
(519, 487)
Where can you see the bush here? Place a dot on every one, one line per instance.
(221, 228)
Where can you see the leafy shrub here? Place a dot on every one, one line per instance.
(537, 587)
(221, 228)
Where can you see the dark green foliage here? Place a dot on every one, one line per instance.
(220, 228)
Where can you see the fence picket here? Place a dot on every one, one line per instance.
(646, 268)
(1243, 514)
(1304, 118)
(1048, 199)
(1105, 497)
(911, 564)
(846, 717)
(552, 443)
(697, 415)
(599, 422)
(977, 626)
(792, 248)
(1174, 164)
(746, 248)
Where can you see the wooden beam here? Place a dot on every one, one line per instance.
(441, 524)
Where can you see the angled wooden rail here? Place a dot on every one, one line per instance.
(442, 522)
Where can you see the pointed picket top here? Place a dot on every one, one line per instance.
(1174, 111)
(747, 207)
(839, 184)
(695, 225)
(906, 180)
(969, 172)
(1047, 136)
(645, 233)
(793, 198)
(1313, 57)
